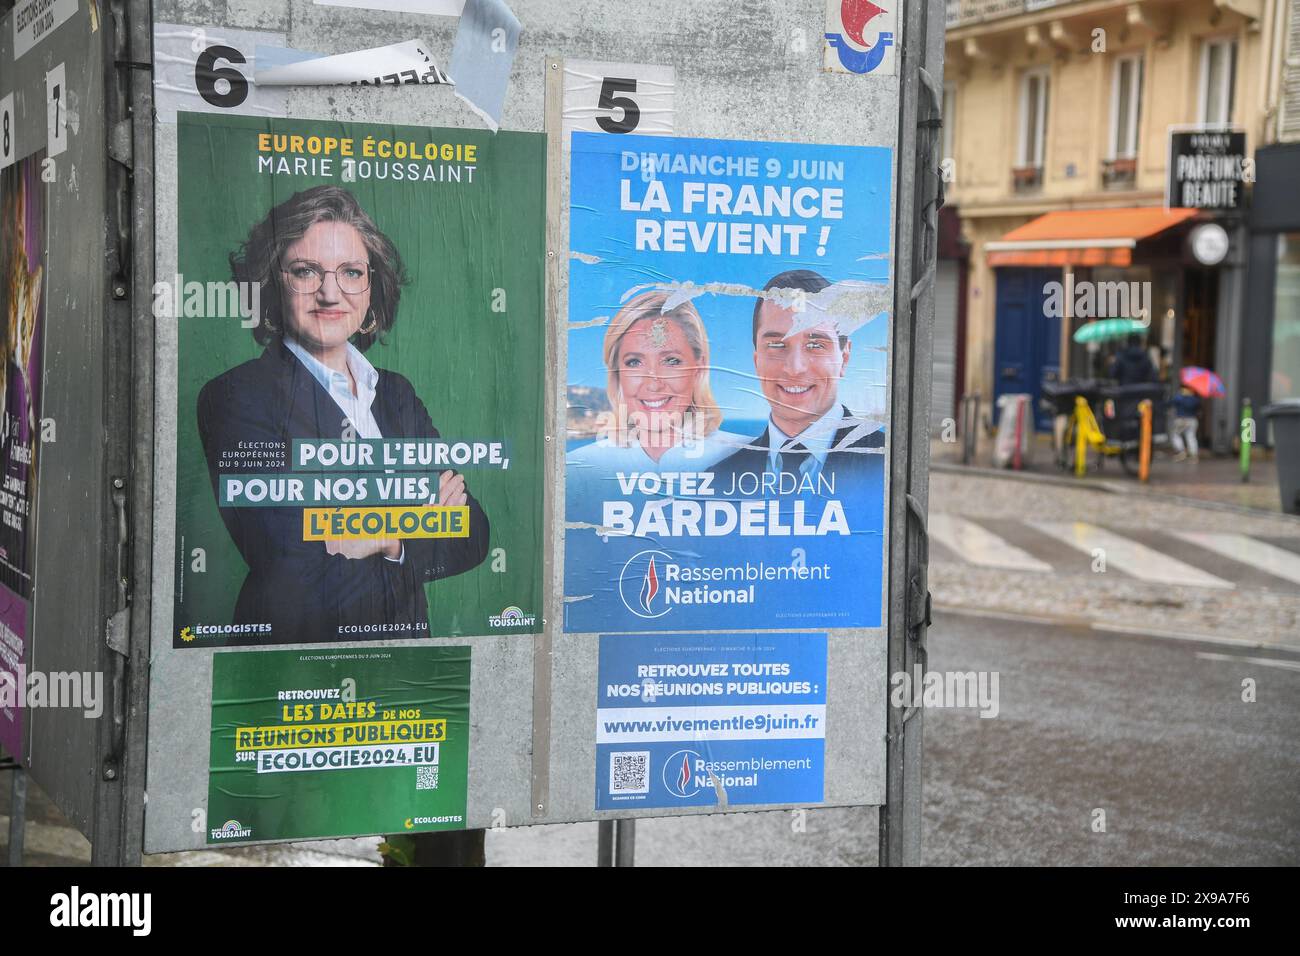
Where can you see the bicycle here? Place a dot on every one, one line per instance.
(1083, 433)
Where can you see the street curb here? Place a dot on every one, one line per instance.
(1106, 627)
(1107, 487)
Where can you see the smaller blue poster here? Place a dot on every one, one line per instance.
(691, 720)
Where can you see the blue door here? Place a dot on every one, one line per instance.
(1027, 343)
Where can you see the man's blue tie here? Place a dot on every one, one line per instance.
(808, 465)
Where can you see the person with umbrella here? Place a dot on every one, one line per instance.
(1182, 433)
(1133, 366)
(1197, 383)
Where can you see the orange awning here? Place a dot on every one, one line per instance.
(1083, 237)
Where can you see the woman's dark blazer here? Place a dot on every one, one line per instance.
(305, 594)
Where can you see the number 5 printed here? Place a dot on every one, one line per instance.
(56, 110)
(608, 101)
(8, 146)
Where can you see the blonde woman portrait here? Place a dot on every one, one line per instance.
(662, 415)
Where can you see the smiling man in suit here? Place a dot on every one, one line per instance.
(810, 436)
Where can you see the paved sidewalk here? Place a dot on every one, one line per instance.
(1215, 478)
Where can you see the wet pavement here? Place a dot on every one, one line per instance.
(1153, 732)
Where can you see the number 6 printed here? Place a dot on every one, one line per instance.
(225, 87)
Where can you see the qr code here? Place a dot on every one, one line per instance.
(629, 772)
(426, 778)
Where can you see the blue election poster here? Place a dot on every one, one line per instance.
(691, 720)
(728, 350)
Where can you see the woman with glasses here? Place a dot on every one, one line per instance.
(328, 282)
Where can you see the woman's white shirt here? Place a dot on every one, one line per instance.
(355, 407)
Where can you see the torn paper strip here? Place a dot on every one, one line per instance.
(483, 55)
(396, 64)
(446, 8)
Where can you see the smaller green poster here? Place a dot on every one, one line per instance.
(338, 742)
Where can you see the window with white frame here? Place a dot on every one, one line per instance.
(1126, 107)
(1218, 80)
(949, 120)
(1033, 117)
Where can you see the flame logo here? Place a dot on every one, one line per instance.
(639, 583)
(649, 587)
(684, 777)
(855, 15)
(676, 774)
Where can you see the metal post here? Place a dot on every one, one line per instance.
(624, 842)
(1067, 320)
(616, 843)
(117, 829)
(17, 816)
(450, 848)
(605, 843)
(970, 417)
(920, 119)
(1247, 437)
(1080, 438)
(1144, 447)
(1016, 461)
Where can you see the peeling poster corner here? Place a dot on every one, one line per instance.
(446, 8)
(483, 56)
(404, 63)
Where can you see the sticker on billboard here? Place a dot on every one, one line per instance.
(729, 331)
(22, 302)
(341, 742)
(861, 37)
(359, 442)
(690, 720)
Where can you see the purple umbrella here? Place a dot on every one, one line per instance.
(1202, 381)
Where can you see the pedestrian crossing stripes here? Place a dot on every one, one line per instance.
(978, 545)
(1129, 556)
(1167, 557)
(1277, 561)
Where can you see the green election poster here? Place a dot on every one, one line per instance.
(338, 742)
(359, 319)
